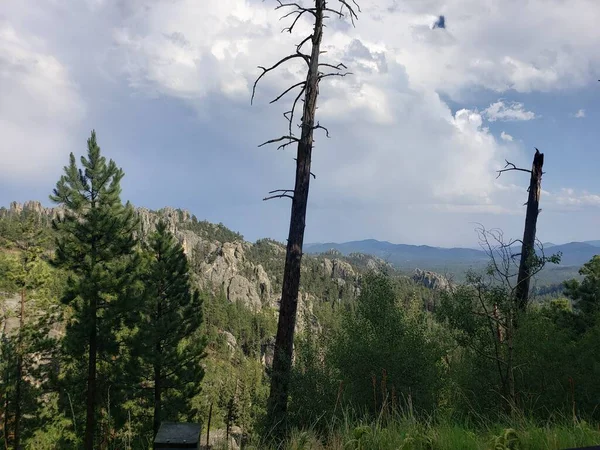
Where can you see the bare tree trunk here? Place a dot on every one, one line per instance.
(284, 341)
(157, 398)
(90, 419)
(19, 379)
(208, 426)
(528, 249)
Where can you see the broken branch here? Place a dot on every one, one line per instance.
(319, 126)
(302, 83)
(289, 115)
(325, 75)
(281, 194)
(510, 167)
(273, 67)
(339, 66)
(291, 140)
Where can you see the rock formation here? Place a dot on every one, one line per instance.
(431, 280)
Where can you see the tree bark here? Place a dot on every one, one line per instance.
(157, 397)
(528, 249)
(284, 341)
(90, 419)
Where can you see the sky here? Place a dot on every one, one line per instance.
(417, 132)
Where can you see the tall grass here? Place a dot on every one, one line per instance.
(405, 432)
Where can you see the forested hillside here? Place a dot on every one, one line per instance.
(239, 285)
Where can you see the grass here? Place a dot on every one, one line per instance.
(408, 434)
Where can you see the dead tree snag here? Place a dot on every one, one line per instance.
(309, 88)
(528, 255)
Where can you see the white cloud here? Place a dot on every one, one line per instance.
(39, 106)
(495, 45)
(569, 197)
(394, 140)
(580, 114)
(513, 111)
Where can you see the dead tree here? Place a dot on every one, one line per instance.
(528, 255)
(496, 308)
(309, 88)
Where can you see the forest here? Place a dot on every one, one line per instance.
(116, 319)
(380, 361)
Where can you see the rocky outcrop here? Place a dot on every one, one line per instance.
(431, 280)
(225, 266)
(267, 350)
(230, 340)
(34, 207)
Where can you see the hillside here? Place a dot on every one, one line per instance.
(248, 274)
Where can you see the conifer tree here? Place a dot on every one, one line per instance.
(96, 243)
(169, 342)
(25, 352)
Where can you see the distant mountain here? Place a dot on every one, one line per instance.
(575, 253)
(405, 257)
(400, 254)
(408, 257)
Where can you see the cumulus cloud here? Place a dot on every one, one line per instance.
(39, 106)
(499, 48)
(513, 111)
(394, 140)
(579, 114)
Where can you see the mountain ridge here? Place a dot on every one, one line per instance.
(407, 256)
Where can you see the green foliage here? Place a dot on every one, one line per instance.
(28, 351)
(584, 294)
(55, 430)
(95, 243)
(314, 388)
(383, 356)
(167, 344)
(212, 232)
(381, 360)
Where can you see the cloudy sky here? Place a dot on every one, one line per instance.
(417, 132)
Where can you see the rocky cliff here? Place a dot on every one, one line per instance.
(431, 280)
(244, 272)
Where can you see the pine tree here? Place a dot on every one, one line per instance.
(96, 243)
(26, 351)
(169, 341)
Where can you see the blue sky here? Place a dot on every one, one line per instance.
(416, 133)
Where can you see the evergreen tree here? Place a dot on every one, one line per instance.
(585, 295)
(26, 352)
(169, 341)
(96, 243)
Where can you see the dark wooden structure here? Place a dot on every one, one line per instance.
(177, 436)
